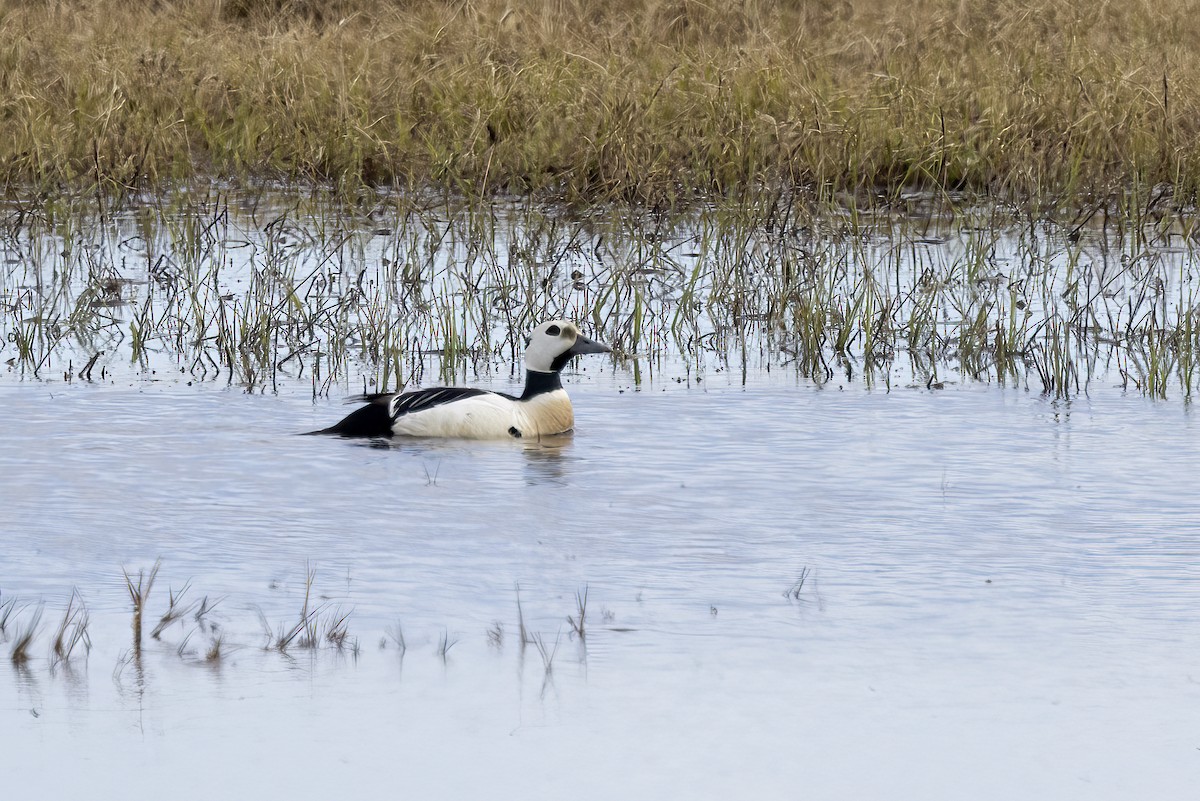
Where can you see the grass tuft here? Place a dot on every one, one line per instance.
(215, 654)
(175, 610)
(579, 622)
(24, 637)
(138, 594)
(72, 629)
(337, 631)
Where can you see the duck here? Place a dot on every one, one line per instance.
(543, 408)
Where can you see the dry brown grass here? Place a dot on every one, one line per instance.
(652, 100)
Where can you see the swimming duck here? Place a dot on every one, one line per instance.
(543, 408)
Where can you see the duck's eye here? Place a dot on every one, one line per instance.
(553, 331)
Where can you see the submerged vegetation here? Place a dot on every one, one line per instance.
(1046, 102)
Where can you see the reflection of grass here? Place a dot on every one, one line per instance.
(652, 100)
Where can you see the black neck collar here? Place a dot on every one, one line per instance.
(537, 383)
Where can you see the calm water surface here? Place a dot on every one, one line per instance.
(1001, 599)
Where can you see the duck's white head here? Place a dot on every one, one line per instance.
(554, 343)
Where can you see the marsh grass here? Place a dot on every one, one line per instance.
(215, 653)
(316, 624)
(269, 290)
(175, 610)
(305, 632)
(655, 101)
(203, 610)
(24, 636)
(318, 630)
(578, 622)
(72, 629)
(139, 593)
(337, 631)
(7, 608)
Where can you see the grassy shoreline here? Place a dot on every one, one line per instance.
(1045, 103)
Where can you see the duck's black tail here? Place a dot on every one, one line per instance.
(372, 420)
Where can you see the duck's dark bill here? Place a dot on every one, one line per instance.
(584, 345)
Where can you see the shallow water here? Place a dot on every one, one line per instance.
(828, 590)
(1001, 598)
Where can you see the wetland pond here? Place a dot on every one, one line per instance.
(907, 573)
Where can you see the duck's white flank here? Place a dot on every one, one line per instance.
(491, 416)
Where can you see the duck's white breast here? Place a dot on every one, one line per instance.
(546, 414)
